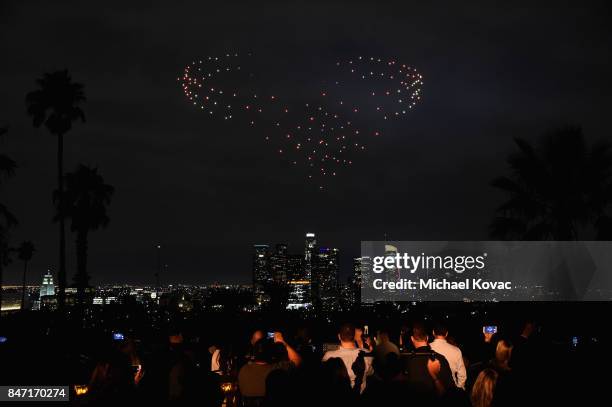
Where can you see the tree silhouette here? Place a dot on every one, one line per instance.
(86, 199)
(25, 251)
(55, 105)
(557, 188)
(7, 219)
(7, 164)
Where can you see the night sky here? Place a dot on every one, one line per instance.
(208, 190)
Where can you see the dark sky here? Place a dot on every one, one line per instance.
(207, 190)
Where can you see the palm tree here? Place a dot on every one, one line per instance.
(25, 252)
(7, 222)
(7, 164)
(556, 189)
(7, 219)
(86, 200)
(55, 104)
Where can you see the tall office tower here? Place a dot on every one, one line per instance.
(360, 276)
(47, 286)
(347, 296)
(278, 264)
(299, 285)
(309, 251)
(46, 296)
(325, 279)
(262, 276)
(295, 267)
(307, 266)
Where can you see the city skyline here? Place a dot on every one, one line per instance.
(207, 190)
(346, 266)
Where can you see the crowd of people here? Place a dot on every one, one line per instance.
(421, 363)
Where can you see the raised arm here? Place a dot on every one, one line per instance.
(293, 355)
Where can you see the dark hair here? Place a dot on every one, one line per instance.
(385, 329)
(111, 375)
(279, 391)
(335, 373)
(278, 353)
(347, 332)
(440, 329)
(174, 330)
(262, 350)
(418, 331)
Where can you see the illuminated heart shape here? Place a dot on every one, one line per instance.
(323, 135)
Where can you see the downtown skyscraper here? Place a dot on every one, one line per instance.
(309, 251)
(279, 264)
(307, 280)
(362, 267)
(325, 279)
(299, 285)
(300, 275)
(47, 287)
(262, 275)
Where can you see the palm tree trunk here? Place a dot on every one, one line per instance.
(81, 277)
(23, 285)
(61, 275)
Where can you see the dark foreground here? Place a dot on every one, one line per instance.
(165, 357)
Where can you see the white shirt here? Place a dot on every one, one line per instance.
(454, 358)
(348, 356)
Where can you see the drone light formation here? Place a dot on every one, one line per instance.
(323, 135)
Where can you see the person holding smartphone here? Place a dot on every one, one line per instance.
(362, 338)
(128, 348)
(292, 354)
